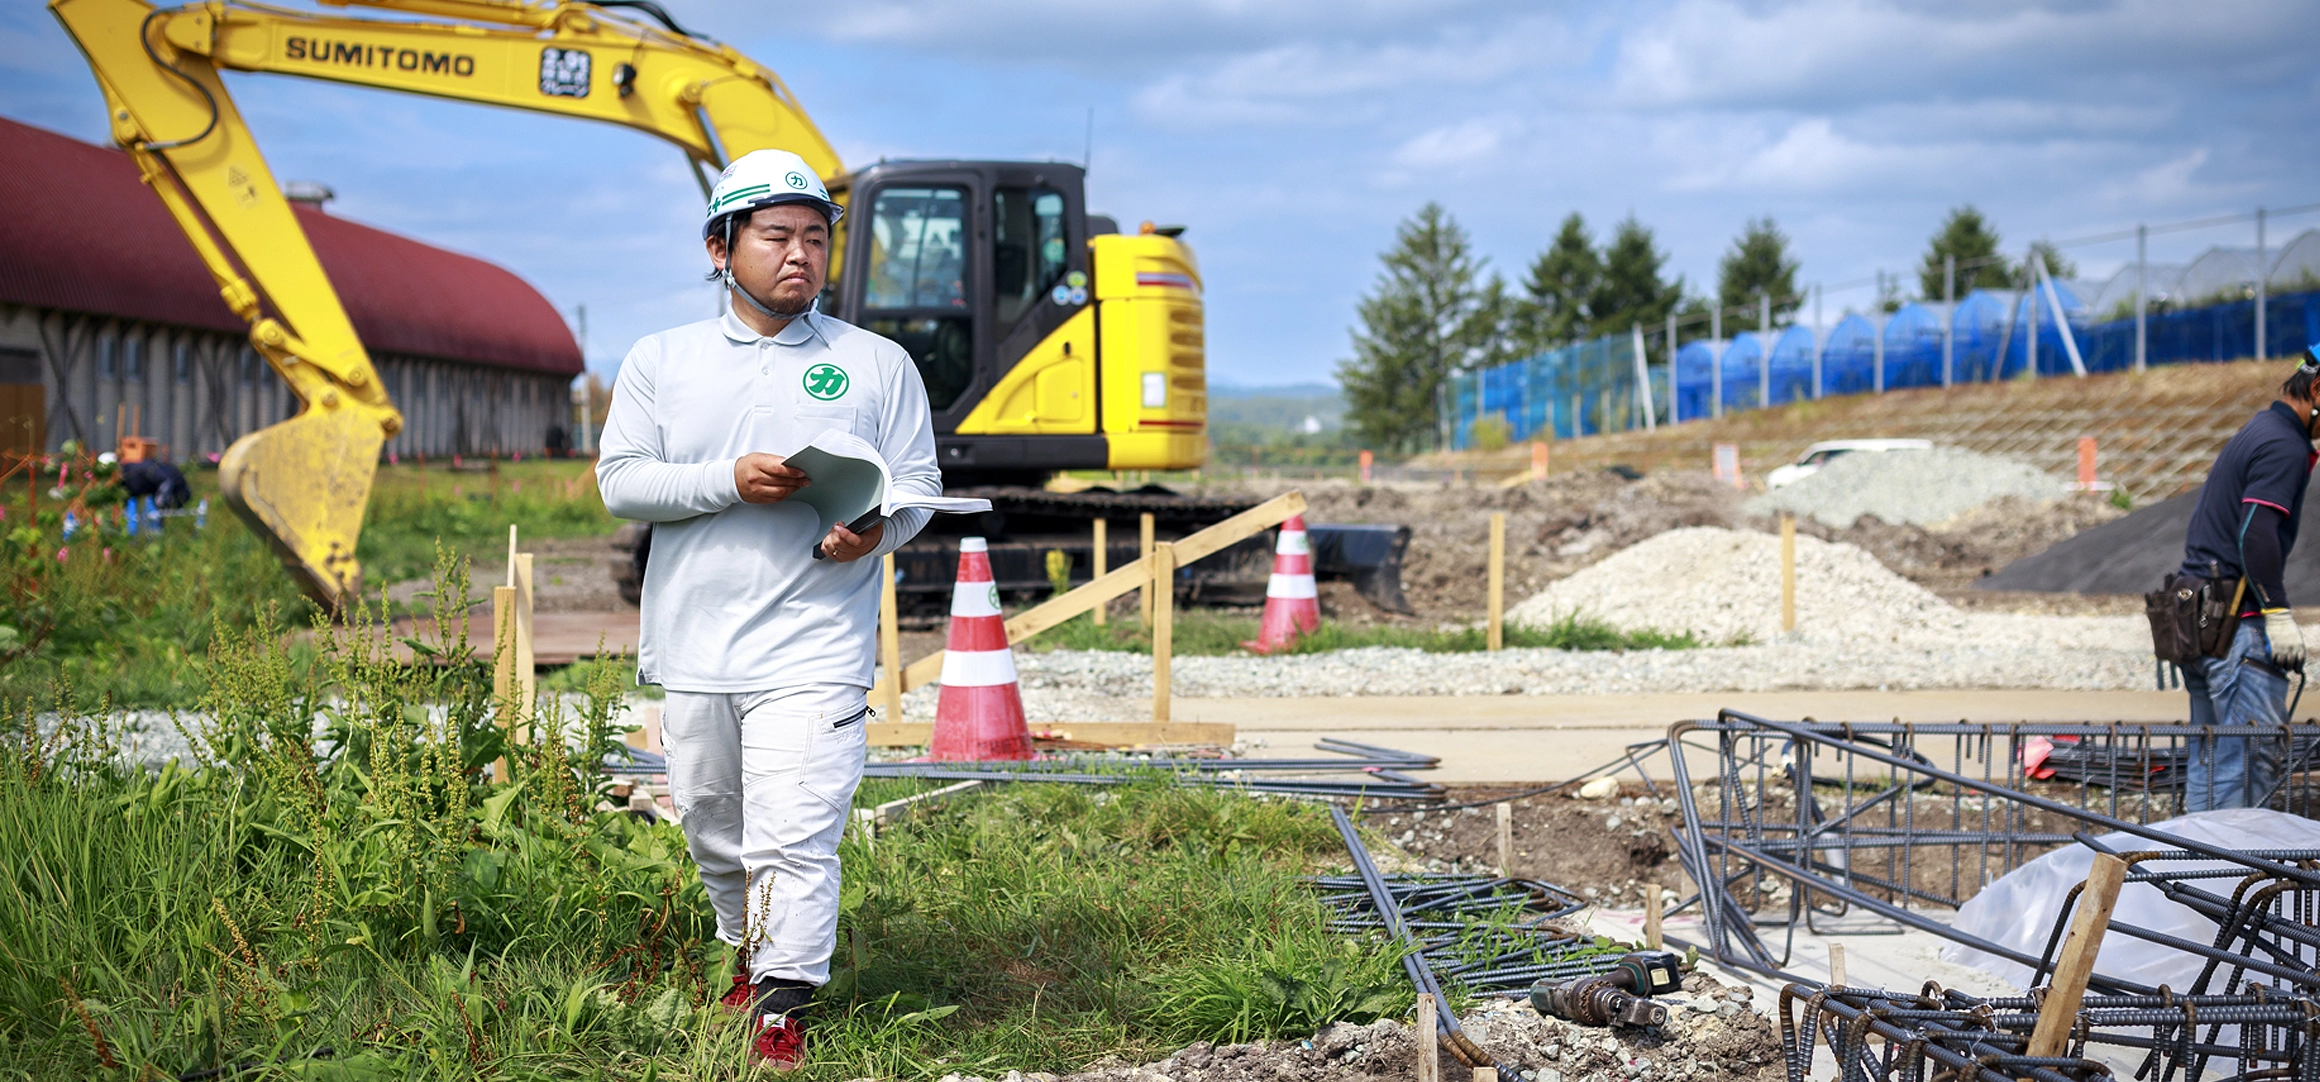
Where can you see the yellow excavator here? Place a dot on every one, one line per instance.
(1047, 339)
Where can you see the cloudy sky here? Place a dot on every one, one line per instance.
(1290, 136)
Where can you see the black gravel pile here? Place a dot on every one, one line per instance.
(2128, 555)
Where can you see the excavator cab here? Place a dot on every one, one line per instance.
(970, 265)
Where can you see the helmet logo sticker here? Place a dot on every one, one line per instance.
(796, 180)
(825, 381)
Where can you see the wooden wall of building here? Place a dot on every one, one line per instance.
(196, 391)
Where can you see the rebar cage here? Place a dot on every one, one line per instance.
(1811, 822)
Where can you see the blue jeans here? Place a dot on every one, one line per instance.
(2241, 689)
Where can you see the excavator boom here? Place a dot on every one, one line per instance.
(304, 483)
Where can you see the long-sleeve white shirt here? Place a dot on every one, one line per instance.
(733, 599)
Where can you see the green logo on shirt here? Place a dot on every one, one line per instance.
(825, 381)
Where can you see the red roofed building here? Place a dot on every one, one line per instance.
(108, 320)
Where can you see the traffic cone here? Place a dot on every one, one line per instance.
(980, 714)
(1292, 605)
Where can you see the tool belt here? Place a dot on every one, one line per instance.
(2193, 617)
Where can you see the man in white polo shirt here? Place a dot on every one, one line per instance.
(765, 652)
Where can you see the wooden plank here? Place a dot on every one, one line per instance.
(1144, 552)
(2059, 1011)
(1119, 582)
(1163, 625)
(1123, 734)
(890, 638)
(1101, 559)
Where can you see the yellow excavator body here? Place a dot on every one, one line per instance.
(1124, 370)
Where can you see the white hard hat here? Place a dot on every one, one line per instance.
(766, 178)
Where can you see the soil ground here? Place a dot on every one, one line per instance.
(1602, 850)
(1712, 1033)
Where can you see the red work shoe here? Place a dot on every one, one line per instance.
(780, 1042)
(741, 995)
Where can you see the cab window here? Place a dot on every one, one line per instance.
(1028, 248)
(918, 245)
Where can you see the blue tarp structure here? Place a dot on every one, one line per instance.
(1913, 347)
(1695, 376)
(1977, 356)
(1792, 366)
(1743, 366)
(1578, 390)
(1849, 357)
(1590, 387)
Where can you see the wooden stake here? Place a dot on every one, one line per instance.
(503, 667)
(1539, 461)
(2059, 1011)
(1788, 572)
(1102, 538)
(527, 673)
(890, 639)
(1498, 580)
(1483, 1074)
(1651, 915)
(1837, 965)
(1163, 594)
(1144, 548)
(1506, 840)
(1429, 1042)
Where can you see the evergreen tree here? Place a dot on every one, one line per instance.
(1428, 316)
(1553, 307)
(1757, 265)
(2056, 265)
(1631, 290)
(1968, 236)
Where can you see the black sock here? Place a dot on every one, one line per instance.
(777, 996)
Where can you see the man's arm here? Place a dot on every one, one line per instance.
(2260, 557)
(636, 481)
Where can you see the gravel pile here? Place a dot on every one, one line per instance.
(1723, 586)
(1917, 487)
(1985, 650)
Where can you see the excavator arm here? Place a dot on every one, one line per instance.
(304, 483)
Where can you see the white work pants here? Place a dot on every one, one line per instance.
(763, 781)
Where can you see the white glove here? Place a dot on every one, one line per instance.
(2287, 640)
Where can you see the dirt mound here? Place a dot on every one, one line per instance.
(1554, 527)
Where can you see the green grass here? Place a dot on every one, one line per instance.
(414, 507)
(1209, 633)
(129, 621)
(374, 894)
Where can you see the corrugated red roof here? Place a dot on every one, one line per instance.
(80, 232)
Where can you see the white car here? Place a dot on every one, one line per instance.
(1819, 454)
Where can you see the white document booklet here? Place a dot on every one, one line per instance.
(848, 482)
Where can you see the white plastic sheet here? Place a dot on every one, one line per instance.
(2018, 911)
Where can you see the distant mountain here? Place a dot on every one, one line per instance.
(1218, 390)
(1245, 415)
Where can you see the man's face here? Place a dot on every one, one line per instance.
(781, 255)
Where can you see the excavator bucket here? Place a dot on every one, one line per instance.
(303, 485)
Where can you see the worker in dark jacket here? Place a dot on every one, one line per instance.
(2241, 533)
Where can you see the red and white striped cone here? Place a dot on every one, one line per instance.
(980, 714)
(1292, 602)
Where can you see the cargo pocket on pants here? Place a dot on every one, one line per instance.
(834, 765)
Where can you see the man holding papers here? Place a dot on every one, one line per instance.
(765, 650)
